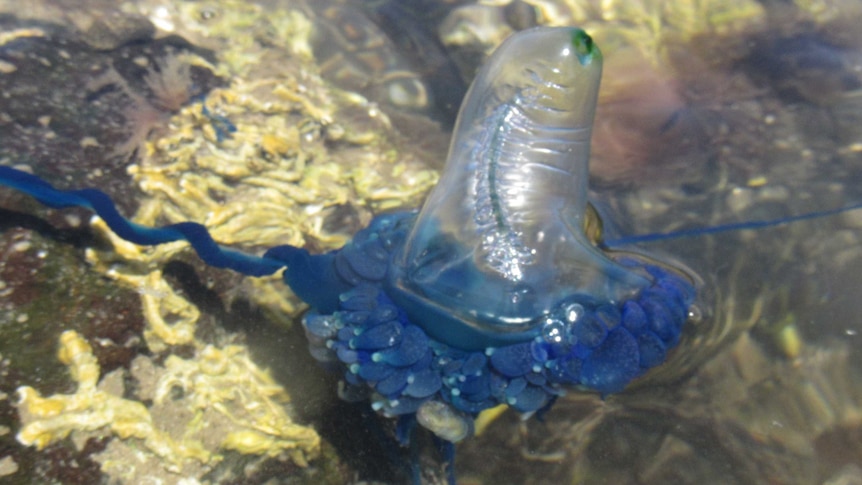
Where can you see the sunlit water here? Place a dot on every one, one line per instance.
(709, 114)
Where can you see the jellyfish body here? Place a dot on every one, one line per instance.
(492, 293)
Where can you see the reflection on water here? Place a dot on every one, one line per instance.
(711, 112)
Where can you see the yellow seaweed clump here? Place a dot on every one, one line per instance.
(277, 155)
(225, 381)
(217, 400)
(46, 420)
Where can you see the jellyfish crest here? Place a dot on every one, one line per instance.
(499, 241)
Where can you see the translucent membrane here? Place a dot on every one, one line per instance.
(500, 239)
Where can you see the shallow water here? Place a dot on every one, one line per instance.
(710, 113)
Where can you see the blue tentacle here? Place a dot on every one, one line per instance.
(729, 227)
(313, 278)
(97, 201)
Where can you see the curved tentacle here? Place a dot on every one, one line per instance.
(99, 202)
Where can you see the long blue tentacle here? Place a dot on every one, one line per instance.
(97, 201)
(733, 226)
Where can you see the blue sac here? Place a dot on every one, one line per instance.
(493, 293)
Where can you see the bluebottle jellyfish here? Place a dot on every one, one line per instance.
(494, 292)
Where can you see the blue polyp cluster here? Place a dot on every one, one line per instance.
(404, 368)
(609, 345)
(595, 345)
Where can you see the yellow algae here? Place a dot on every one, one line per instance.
(285, 170)
(227, 403)
(692, 17)
(227, 382)
(784, 334)
(46, 420)
(253, 442)
(280, 145)
(757, 181)
(790, 341)
(77, 354)
(488, 416)
(651, 26)
(219, 25)
(225, 395)
(160, 301)
(12, 35)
